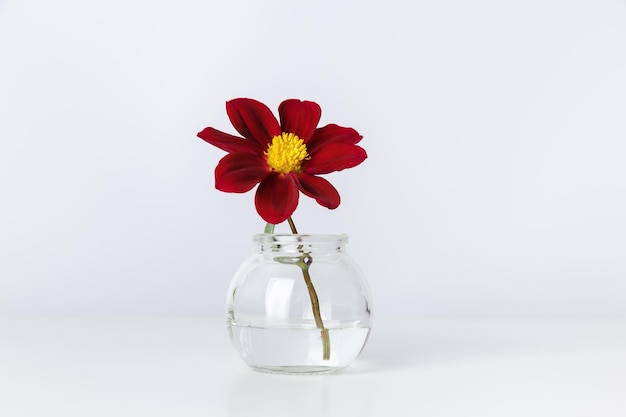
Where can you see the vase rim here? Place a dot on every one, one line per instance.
(286, 238)
(310, 235)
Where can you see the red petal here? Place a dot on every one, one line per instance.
(333, 158)
(239, 172)
(229, 143)
(333, 134)
(253, 120)
(276, 198)
(299, 117)
(320, 189)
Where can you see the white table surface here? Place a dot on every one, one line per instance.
(187, 367)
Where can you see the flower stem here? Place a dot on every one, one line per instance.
(304, 262)
(292, 226)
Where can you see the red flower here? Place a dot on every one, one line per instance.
(284, 158)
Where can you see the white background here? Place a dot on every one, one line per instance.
(495, 184)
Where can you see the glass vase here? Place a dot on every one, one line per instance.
(299, 304)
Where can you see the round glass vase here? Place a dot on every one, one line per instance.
(299, 304)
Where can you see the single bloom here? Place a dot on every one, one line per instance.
(283, 158)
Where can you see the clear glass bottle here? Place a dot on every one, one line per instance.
(299, 304)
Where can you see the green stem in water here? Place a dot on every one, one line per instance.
(304, 262)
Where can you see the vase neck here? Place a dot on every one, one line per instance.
(299, 243)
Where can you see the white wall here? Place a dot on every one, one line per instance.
(495, 184)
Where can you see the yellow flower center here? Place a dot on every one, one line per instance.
(286, 153)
